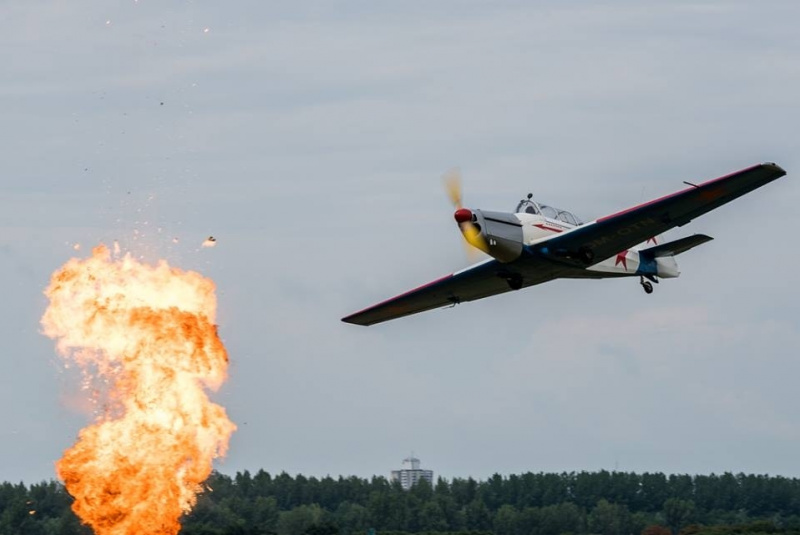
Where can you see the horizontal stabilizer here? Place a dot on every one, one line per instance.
(676, 247)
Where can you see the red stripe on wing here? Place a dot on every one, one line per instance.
(648, 203)
(387, 301)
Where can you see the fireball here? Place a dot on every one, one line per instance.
(146, 341)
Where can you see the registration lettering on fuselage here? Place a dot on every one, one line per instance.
(623, 231)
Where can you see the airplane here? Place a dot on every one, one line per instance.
(538, 243)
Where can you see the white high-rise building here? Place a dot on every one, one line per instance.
(411, 473)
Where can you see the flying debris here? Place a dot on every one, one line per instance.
(211, 241)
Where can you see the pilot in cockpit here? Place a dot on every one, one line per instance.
(527, 206)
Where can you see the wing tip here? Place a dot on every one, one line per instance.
(780, 171)
(372, 315)
(352, 320)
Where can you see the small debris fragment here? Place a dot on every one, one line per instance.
(211, 241)
(77, 246)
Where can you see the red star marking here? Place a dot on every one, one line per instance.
(622, 258)
(653, 239)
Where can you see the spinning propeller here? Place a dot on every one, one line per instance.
(463, 216)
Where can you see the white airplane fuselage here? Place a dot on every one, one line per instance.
(537, 227)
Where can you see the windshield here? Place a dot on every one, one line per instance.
(530, 207)
(526, 207)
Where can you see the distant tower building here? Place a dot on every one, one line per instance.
(411, 473)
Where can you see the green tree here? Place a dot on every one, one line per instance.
(609, 519)
(326, 527)
(432, 518)
(299, 519)
(529, 520)
(681, 486)
(654, 490)
(352, 518)
(463, 490)
(562, 518)
(678, 513)
(506, 520)
(265, 514)
(422, 490)
(478, 517)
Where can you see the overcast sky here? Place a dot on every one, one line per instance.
(309, 139)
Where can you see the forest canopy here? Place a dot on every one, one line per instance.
(576, 503)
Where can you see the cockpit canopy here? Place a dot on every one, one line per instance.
(528, 206)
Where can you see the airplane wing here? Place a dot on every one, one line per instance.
(607, 236)
(475, 282)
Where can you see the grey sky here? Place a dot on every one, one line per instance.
(310, 141)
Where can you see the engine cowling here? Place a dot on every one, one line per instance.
(502, 232)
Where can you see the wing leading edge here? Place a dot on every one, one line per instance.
(475, 282)
(472, 283)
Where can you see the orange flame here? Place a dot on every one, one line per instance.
(146, 335)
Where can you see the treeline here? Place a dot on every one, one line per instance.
(598, 503)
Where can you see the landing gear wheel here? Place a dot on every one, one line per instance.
(648, 287)
(586, 255)
(514, 281)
